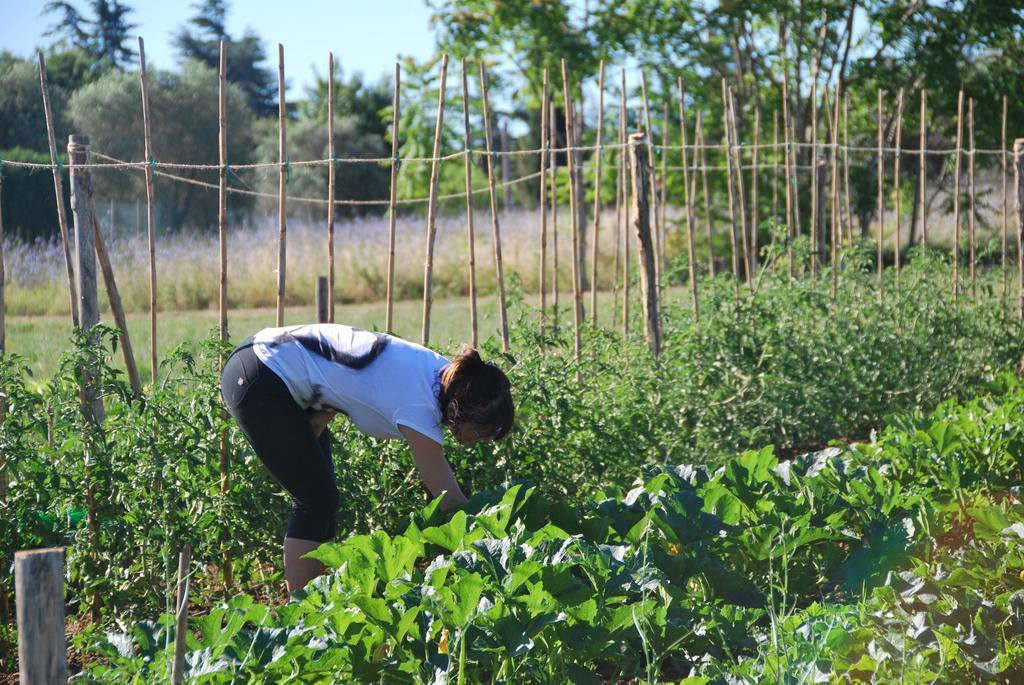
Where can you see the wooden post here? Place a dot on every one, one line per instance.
(754, 213)
(627, 205)
(470, 233)
(1018, 183)
(788, 179)
(733, 236)
(39, 592)
(1002, 252)
(687, 203)
(435, 170)
(597, 194)
(553, 135)
(737, 154)
(545, 143)
(495, 228)
(971, 190)
(332, 174)
(922, 173)
(641, 190)
(570, 144)
(880, 200)
(956, 195)
(323, 298)
(393, 198)
(150, 226)
(58, 190)
(699, 142)
(117, 310)
(282, 186)
(833, 132)
(775, 165)
(846, 167)
(619, 175)
(181, 607)
(658, 247)
(222, 298)
(896, 189)
(663, 199)
(815, 225)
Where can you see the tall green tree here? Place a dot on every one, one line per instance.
(200, 39)
(103, 36)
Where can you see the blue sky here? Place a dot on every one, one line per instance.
(365, 35)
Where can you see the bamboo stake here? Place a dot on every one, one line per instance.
(733, 235)
(788, 179)
(553, 135)
(651, 168)
(794, 157)
(597, 194)
(470, 239)
(396, 106)
(181, 615)
(1018, 183)
(704, 192)
(846, 167)
(956, 195)
(495, 229)
(627, 207)
(834, 158)
(775, 165)
(544, 145)
(570, 143)
(896, 189)
(663, 200)
(741, 193)
(688, 204)
(922, 174)
(971, 190)
(222, 230)
(881, 191)
(755, 222)
(58, 191)
(619, 168)
(815, 227)
(117, 309)
(1002, 148)
(435, 170)
(282, 186)
(332, 173)
(150, 227)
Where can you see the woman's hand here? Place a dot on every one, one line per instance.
(319, 420)
(434, 469)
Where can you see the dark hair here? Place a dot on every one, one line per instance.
(482, 393)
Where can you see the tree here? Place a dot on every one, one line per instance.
(102, 37)
(200, 40)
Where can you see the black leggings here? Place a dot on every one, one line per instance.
(282, 436)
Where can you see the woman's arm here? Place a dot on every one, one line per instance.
(434, 469)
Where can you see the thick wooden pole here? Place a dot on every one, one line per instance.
(117, 309)
(222, 231)
(570, 143)
(597, 194)
(470, 232)
(282, 187)
(734, 234)
(332, 175)
(641, 192)
(181, 615)
(323, 297)
(880, 171)
(971, 190)
(691, 253)
(922, 172)
(39, 592)
(58, 190)
(392, 199)
(658, 247)
(545, 143)
(499, 268)
(788, 178)
(1018, 183)
(435, 170)
(956, 194)
(150, 224)
(896, 189)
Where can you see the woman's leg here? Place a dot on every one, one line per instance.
(280, 433)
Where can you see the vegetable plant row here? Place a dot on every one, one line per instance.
(894, 559)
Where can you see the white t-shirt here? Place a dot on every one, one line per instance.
(377, 380)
